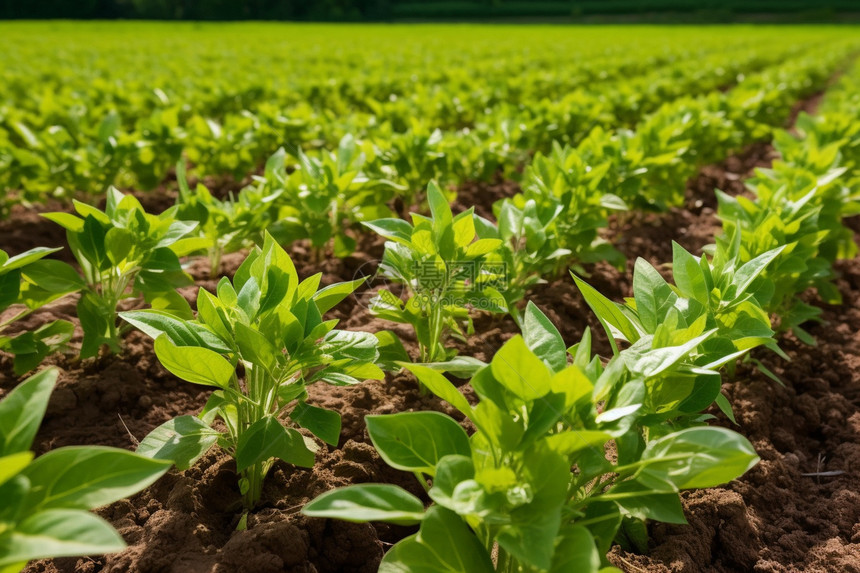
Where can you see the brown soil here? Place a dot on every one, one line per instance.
(773, 519)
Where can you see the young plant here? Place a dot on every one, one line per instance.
(572, 189)
(532, 489)
(232, 224)
(528, 249)
(259, 341)
(327, 195)
(681, 334)
(44, 502)
(412, 157)
(798, 206)
(32, 281)
(443, 270)
(123, 252)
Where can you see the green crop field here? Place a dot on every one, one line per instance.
(428, 297)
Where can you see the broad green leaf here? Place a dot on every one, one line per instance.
(322, 423)
(11, 464)
(181, 332)
(53, 276)
(67, 221)
(255, 347)
(576, 551)
(688, 275)
(572, 441)
(194, 364)
(394, 229)
(416, 441)
(699, 457)
(26, 258)
(441, 386)
(444, 544)
(58, 533)
(182, 440)
(267, 438)
(86, 477)
(643, 502)
(750, 270)
(653, 295)
(455, 487)
(522, 373)
(482, 247)
(22, 410)
(368, 502)
(327, 297)
(543, 338)
(616, 324)
(119, 243)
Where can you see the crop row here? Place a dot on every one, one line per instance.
(85, 133)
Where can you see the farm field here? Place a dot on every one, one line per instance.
(429, 297)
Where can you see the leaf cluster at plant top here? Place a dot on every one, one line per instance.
(122, 249)
(44, 502)
(441, 264)
(32, 281)
(268, 325)
(532, 486)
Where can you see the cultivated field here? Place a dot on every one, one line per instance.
(429, 298)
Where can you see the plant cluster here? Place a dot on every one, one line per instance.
(260, 339)
(28, 282)
(123, 252)
(533, 488)
(442, 267)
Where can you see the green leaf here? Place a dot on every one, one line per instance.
(53, 276)
(725, 407)
(653, 295)
(393, 229)
(322, 423)
(58, 533)
(67, 221)
(194, 364)
(182, 333)
(331, 295)
(616, 324)
(522, 373)
(444, 544)
(643, 502)
(688, 275)
(416, 441)
(182, 440)
(368, 502)
(576, 551)
(750, 270)
(543, 338)
(26, 258)
(699, 457)
(441, 386)
(22, 410)
(255, 347)
(267, 438)
(572, 441)
(86, 477)
(12, 464)
(119, 243)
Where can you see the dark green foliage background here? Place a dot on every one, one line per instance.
(376, 10)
